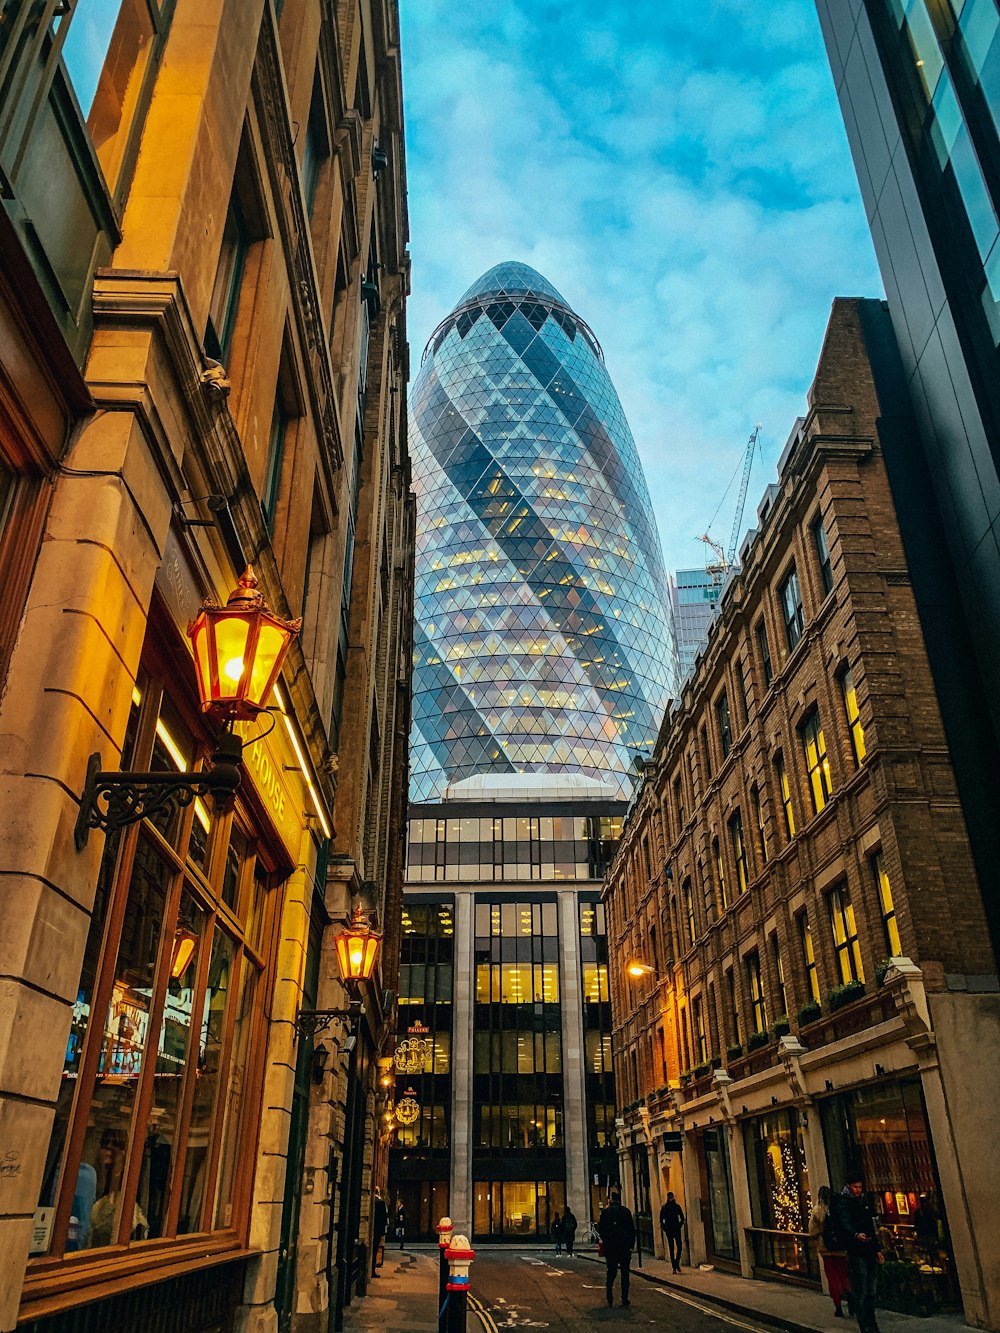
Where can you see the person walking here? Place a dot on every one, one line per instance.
(556, 1231)
(854, 1218)
(400, 1224)
(671, 1224)
(380, 1224)
(569, 1225)
(616, 1229)
(831, 1247)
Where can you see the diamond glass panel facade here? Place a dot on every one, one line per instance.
(541, 639)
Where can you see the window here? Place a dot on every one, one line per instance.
(734, 1004)
(758, 1009)
(689, 910)
(271, 487)
(316, 146)
(700, 1039)
(791, 608)
(647, 859)
(853, 715)
(845, 936)
(765, 653)
(808, 958)
(779, 974)
(706, 754)
(108, 53)
(817, 764)
(739, 851)
(758, 814)
(679, 804)
(784, 791)
(887, 907)
(741, 688)
(163, 1026)
(720, 871)
(725, 724)
(823, 556)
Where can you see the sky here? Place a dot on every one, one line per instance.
(681, 174)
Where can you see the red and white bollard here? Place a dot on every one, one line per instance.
(445, 1230)
(460, 1255)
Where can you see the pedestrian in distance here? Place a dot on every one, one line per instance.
(855, 1221)
(380, 1224)
(671, 1224)
(569, 1225)
(616, 1229)
(556, 1230)
(400, 1224)
(832, 1248)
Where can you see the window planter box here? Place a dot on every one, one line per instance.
(757, 1041)
(841, 996)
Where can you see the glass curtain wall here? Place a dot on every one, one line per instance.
(490, 847)
(518, 1164)
(419, 1160)
(600, 1082)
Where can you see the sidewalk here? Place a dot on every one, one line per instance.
(776, 1303)
(403, 1298)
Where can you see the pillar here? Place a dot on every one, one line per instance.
(461, 1057)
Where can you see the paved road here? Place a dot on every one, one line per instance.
(538, 1289)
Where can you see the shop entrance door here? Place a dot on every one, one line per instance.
(721, 1232)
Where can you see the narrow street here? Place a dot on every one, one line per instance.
(538, 1289)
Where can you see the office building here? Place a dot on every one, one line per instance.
(694, 595)
(540, 674)
(919, 88)
(202, 367)
(808, 920)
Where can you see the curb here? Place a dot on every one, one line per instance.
(733, 1307)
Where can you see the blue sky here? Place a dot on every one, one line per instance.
(680, 172)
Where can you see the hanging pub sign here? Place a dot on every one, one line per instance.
(408, 1108)
(412, 1055)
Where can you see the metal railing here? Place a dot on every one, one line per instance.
(790, 1253)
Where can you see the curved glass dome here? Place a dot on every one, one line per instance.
(541, 641)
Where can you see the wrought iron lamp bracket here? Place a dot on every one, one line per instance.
(311, 1021)
(113, 800)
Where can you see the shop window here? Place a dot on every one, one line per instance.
(817, 763)
(725, 724)
(157, 1101)
(784, 791)
(808, 958)
(755, 989)
(739, 851)
(857, 731)
(758, 815)
(847, 950)
(887, 908)
(823, 556)
(110, 52)
(764, 650)
(779, 1193)
(790, 596)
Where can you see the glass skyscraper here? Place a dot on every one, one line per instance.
(541, 674)
(541, 628)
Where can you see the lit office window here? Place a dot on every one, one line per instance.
(758, 812)
(845, 936)
(784, 791)
(739, 852)
(758, 1008)
(853, 716)
(808, 958)
(817, 763)
(887, 907)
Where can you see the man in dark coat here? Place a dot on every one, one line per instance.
(380, 1223)
(569, 1229)
(854, 1215)
(617, 1232)
(671, 1224)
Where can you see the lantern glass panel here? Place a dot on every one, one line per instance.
(271, 645)
(202, 665)
(232, 633)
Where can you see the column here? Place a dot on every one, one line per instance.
(656, 1194)
(741, 1196)
(461, 1063)
(695, 1215)
(574, 1073)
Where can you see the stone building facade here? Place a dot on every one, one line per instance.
(814, 977)
(203, 365)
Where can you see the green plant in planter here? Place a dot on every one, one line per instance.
(700, 1071)
(685, 1077)
(881, 968)
(782, 1026)
(841, 996)
(758, 1039)
(809, 1013)
(735, 1051)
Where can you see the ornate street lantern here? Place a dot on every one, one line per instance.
(239, 649)
(238, 653)
(357, 948)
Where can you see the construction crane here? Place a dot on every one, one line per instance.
(718, 568)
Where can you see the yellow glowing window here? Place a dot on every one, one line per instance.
(853, 716)
(817, 763)
(786, 795)
(888, 908)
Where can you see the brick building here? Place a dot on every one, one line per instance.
(203, 365)
(812, 978)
